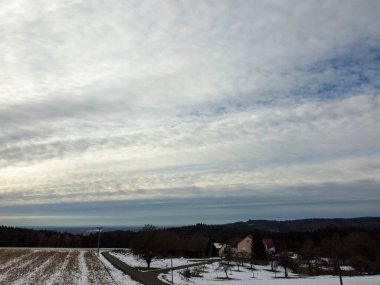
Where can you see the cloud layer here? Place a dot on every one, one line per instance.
(141, 100)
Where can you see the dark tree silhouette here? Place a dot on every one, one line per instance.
(258, 251)
(309, 254)
(145, 244)
(338, 252)
(285, 261)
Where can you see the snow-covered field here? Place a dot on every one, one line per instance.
(213, 275)
(132, 260)
(262, 276)
(57, 266)
(83, 267)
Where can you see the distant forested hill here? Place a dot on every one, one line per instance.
(291, 232)
(20, 237)
(371, 223)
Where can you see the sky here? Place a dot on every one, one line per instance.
(178, 112)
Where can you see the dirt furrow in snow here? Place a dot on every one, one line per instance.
(60, 265)
(10, 257)
(71, 273)
(49, 268)
(16, 270)
(37, 269)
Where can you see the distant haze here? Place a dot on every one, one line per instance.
(176, 112)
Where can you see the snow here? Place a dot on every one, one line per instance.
(346, 268)
(83, 269)
(262, 276)
(51, 266)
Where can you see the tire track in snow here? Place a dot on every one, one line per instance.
(98, 273)
(83, 269)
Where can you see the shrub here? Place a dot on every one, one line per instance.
(374, 268)
(186, 273)
(360, 263)
(196, 272)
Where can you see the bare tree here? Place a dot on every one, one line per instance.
(337, 252)
(239, 261)
(228, 256)
(225, 267)
(271, 259)
(284, 261)
(145, 244)
(309, 254)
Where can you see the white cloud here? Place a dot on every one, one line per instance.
(309, 143)
(189, 54)
(127, 99)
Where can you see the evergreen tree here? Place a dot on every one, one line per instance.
(257, 247)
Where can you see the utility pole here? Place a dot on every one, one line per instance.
(171, 260)
(99, 230)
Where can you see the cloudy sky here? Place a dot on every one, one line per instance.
(176, 112)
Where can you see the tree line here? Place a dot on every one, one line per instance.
(358, 248)
(19, 237)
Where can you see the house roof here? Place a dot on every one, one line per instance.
(234, 241)
(248, 236)
(268, 242)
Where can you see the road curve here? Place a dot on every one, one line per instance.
(145, 278)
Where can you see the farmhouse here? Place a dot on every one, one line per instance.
(216, 249)
(244, 246)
